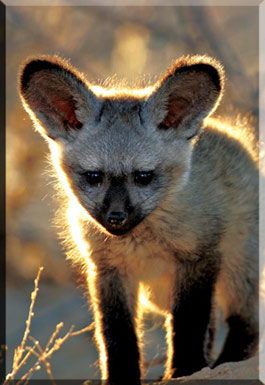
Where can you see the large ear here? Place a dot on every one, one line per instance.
(56, 96)
(189, 91)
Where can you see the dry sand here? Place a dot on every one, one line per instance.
(244, 370)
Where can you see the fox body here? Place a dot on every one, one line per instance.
(162, 202)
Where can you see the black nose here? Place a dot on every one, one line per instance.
(116, 218)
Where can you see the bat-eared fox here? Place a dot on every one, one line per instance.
(161, 209)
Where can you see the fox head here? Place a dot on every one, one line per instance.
(121, 152)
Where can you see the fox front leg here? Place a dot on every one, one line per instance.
(241, 342)
(191, 318)
(117, 328)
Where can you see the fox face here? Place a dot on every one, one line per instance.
(121, 151)
(117, 185)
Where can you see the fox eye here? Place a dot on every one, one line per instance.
(94, 178)
(143, 177)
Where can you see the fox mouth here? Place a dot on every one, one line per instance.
(117, 231)
(120, 229)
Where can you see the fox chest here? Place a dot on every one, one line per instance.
(152, 266)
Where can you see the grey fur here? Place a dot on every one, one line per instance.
(197, 221)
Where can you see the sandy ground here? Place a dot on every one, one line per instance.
(244, 370)
(234, 370)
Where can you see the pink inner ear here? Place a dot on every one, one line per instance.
(66, 110)
(177, 109)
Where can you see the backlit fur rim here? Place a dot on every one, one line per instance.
(46, 62)
(200, 64)
(183, 64)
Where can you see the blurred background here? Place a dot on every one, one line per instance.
(135, 43)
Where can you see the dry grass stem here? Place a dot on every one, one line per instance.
(19, 351)
(42, 353)
(31, 350)
(86, 329)
(23, 351)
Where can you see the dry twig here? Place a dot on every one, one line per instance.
(23, 351)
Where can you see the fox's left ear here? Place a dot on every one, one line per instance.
(186, 94)
(56, 96)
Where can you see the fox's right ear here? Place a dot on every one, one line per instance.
(56, 97)
(188, 92)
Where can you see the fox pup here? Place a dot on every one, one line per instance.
(162, 204)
